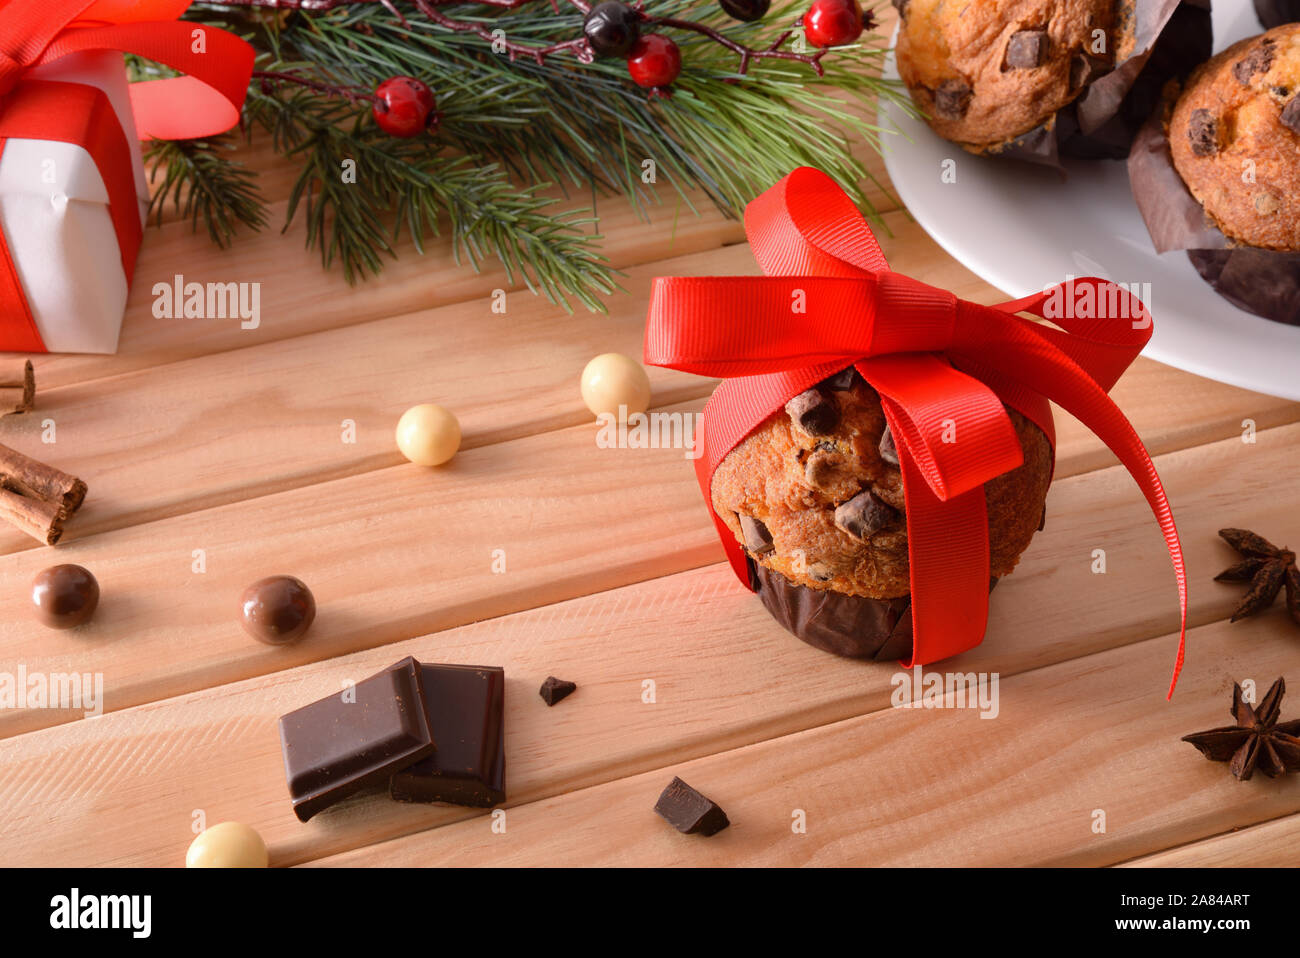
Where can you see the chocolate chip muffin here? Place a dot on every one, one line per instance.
(986, 73)
(815, 496)
(1234, 136)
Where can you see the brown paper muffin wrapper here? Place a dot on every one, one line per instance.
(1274, 13)
(853, 626)
(1171, 39)
(1260, 281)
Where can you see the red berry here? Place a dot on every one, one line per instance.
(404, 106)
(655, 61)
(833, 23)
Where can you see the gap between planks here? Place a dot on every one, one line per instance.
(215, 749)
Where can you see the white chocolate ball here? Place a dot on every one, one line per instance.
(428, 435)
(612, 380)
(228, 845)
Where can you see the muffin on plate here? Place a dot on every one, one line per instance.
(1027, 79)
(815, 496)
(1216, 172)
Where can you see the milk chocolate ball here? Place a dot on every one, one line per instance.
(65, 596)
(228, 845)
(277, 610)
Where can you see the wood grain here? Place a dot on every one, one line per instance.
(1267, 845)
(707, 644)
(928, 786)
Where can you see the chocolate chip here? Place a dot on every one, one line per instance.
(554, 690)
(1085, 68)
(952, 99)
(1203, 133)
(757, 539)
(1026, 49)
(843, 380)
(1258, 60)
(864, 515)
(688, 811)
(1291, 115)
(815, 412)
(888, 451)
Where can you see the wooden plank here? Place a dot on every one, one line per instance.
(1070, 743)
(505, 375)
(707, 644)
(1267, 845)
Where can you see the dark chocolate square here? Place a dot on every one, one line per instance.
(355, 738)
(465, 706)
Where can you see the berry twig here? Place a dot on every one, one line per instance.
(269, 78)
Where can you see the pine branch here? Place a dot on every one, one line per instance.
(488, 215)
(206, 185)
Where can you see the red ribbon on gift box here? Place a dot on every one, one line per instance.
(206, 101)
(828, 301)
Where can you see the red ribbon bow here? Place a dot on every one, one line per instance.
(204, 102)
(829, 300)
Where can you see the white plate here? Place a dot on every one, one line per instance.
(1020, 228)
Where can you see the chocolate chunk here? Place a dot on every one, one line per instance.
(952, 99)
(1291, 115)
(815, 412)
(465, 707)
(843, 380)
(555, 690)
(1085, 68)
(1258, 60)
(1203, 133)
(864, 515)
(690, 812)
(757, 539)
(355, 738)
(1026, 49)
(888, 451)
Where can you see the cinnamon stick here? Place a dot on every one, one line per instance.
(36, 497)
(17, 387)
(39, 518)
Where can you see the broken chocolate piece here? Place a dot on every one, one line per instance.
(814, 412)
(1291, 115)
(952, 99)
(1085, 68)
(842, 380)
(355, 738)
(555, 690)
(1258, 60)
(1026, 49)
(1203, 132)
(757, 538)
(465, 706)
(864, 515)
(888, 451)
(690, 812)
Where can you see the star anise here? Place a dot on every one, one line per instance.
(1268, 569)
(1257, 740)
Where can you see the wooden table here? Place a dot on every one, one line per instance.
(216, 455)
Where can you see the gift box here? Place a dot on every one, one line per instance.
(845, 383)
(73, 194)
